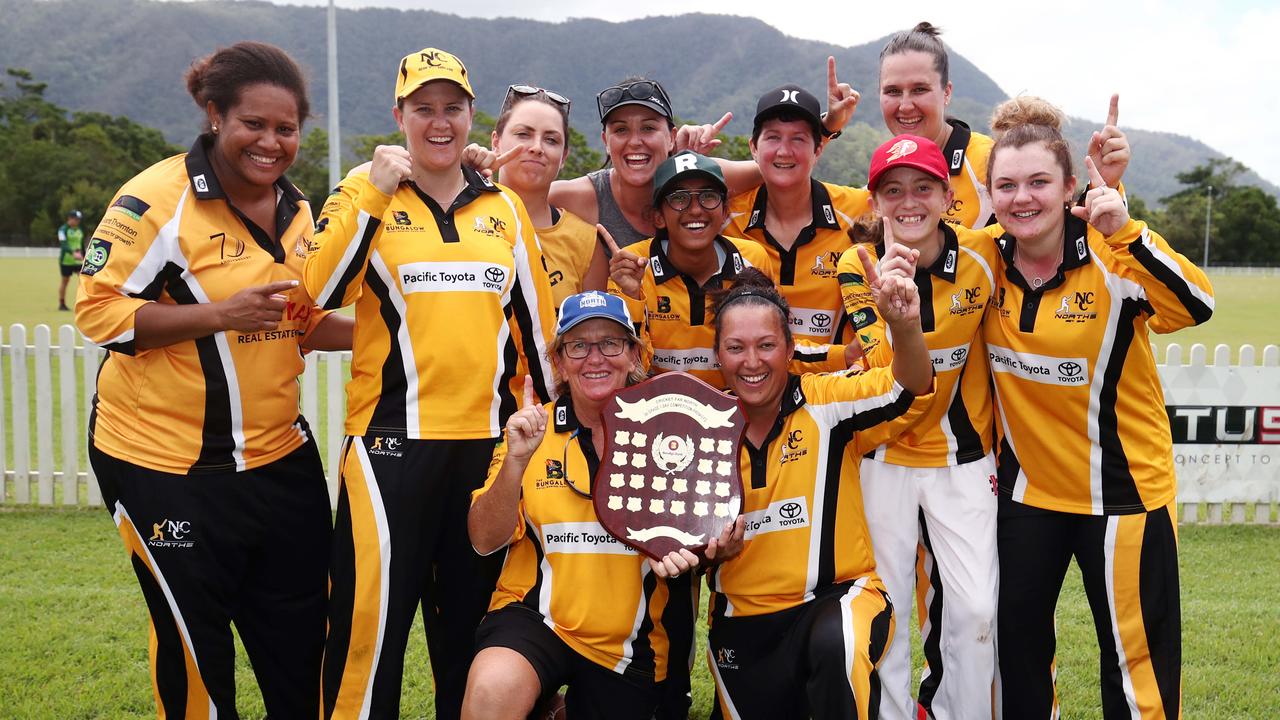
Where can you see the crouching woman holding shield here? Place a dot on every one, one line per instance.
(573, 605)
(800, 620)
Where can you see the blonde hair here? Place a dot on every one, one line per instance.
(1027, 119)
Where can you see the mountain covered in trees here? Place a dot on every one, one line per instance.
(126, 57)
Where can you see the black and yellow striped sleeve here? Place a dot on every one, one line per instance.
(1178, 293)
(350, 222)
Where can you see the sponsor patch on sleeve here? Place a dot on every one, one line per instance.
(863, 317)
(131, 206)
(95, 258)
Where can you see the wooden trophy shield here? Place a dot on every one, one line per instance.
(669, 476)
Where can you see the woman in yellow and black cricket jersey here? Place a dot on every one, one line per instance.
(801, 224)
(1085, 457)
(668, 280)
(212, 476)
(799, 620)
(915, 90)
(452, 301)
(573, 605)
(936, 483)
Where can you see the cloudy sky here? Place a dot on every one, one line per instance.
(1179, 66)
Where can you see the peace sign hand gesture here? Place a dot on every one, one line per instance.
(1104, 209)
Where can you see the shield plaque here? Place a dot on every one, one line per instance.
(669, 475)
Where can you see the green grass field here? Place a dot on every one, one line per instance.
(75, 632)
(74, 642)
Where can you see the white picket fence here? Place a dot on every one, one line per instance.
(59, 473)
(69, 479)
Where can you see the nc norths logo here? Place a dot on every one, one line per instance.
(387, 446)
(171, 534)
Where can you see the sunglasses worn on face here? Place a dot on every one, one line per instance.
(680, 200)
(609, 98)
(527, 90)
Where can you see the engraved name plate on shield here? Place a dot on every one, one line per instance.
(669, 475)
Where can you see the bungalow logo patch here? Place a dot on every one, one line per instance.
(555, 475)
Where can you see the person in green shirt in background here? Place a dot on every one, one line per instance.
(71, 241)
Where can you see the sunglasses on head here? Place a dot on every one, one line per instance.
(609, 98)
(529, 90)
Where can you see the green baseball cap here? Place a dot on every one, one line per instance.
(683, 165)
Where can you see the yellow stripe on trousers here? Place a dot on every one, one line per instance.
(199, 706)
(371, 538)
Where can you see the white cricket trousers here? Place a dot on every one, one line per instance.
(951, 511)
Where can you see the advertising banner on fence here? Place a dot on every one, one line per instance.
(1226, 431)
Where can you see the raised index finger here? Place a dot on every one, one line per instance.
(1095, 177)
(529, 400)
(868, 266)
(719, 124)
(506, 157)
(608, 239)
(1113, 112)
(888, 235)
(831, 75)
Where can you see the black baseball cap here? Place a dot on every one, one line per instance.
(789, 99)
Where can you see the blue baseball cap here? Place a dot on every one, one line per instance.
(579, 308)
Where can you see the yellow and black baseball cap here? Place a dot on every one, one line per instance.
(428, 64)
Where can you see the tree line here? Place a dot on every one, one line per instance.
(52, 161)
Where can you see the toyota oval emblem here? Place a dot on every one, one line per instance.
(1070, 369)
(790, 510)
(958, 354)
(494, 274)
(821, 320)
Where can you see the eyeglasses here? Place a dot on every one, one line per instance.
(527, 90)
(680, 200)
(609, 98)
(608, 347)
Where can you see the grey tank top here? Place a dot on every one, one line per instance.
(610, 214)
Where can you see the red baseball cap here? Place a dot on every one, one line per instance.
(910, 151)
